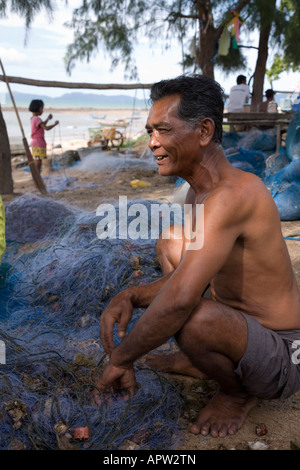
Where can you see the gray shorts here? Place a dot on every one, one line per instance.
(270, 367)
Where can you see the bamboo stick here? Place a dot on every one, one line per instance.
(34, 171)
(94, 86)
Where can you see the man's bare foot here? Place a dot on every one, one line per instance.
(177, 363)
(223, 415)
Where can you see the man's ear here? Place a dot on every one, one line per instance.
(206, 131)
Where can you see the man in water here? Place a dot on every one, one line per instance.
(243, 334)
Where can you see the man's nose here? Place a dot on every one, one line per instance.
(153, 143)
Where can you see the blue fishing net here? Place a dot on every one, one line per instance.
(284, 185)
(280, 172)
(276, 162)
(249, 160)
(256, 139)
(289, 173)
(287, 200)
(230, 140)
(60, 277)
(249, 150)
(292, 142)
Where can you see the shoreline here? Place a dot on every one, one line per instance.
(77, 110)
(75, 123)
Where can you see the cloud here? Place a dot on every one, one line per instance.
(12, 56)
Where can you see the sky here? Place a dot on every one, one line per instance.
(42, 58)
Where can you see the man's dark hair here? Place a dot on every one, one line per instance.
(200, 97)
(36, 105)
(270, 93)
(241, 79)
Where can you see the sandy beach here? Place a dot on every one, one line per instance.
(74, 124)
(93, 186)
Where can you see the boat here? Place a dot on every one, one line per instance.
(98, 116)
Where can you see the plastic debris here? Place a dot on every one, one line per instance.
(258, 445)
(139, 184)
(81, 433)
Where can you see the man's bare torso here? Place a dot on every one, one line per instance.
(257, 277)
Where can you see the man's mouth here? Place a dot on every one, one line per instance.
(161, 157)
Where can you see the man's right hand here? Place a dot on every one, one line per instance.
(119, 310)
(118, 378)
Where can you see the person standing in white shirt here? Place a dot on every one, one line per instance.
(239, 95)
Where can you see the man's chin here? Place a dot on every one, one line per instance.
(163, 171)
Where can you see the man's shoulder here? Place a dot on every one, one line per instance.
(238, 194)
(234, 88)
(236, 190)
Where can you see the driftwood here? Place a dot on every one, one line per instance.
(93, 86)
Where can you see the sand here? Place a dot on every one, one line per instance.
(280, 419)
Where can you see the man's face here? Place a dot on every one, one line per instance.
(174, 144)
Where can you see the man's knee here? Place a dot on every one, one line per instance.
(214, 326)
(201, 323)
(172, 235)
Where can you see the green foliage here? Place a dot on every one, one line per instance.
(291, 46)
(278, 66)
(111, 26)
(116, 26)
(285, 39)
(26, 9)
(232, 62)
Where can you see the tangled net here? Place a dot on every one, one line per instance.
(60, 278)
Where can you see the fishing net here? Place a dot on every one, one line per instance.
(249, 150)
(283, 182)
(249, 160)
(293, 137)
(58, 278)
(256, 139)
(282, 175)
(287, 200)
(280, 171)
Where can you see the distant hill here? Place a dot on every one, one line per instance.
(78, 100)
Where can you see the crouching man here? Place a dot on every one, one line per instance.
(242, 335)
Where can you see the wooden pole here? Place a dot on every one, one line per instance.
(77, 85)
(34, 171)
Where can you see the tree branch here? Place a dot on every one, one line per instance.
(94, 86)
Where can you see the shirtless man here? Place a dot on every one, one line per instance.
(242, 337)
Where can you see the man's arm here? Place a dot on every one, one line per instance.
(182, 292)
(120, 309)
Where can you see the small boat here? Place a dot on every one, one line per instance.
(98, 116)
(117, 123)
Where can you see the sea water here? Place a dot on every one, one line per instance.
(73, 125)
